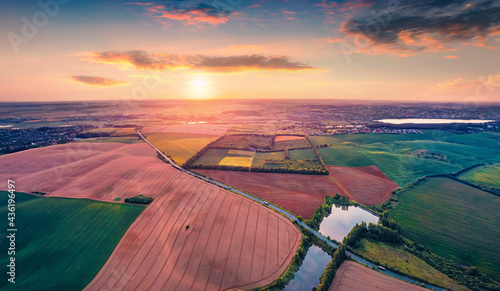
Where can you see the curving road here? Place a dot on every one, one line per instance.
(289, 215)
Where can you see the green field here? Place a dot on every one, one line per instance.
(395, 154)
(237, 158)
(179, 146)
(398, 258)
(454, 220)
(211, 157)
(61, 243)
(487, 175)
(485, 139)
(303, 154)
(261, 158)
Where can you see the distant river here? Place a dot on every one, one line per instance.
(432, 121)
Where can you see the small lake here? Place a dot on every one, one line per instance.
(339, 223)
(310, 271)
(432, 121)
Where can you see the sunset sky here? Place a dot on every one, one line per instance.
(173, 49)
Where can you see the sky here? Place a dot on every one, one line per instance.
(427, 50)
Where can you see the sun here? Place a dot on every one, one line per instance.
(199, 82)
(200, 88)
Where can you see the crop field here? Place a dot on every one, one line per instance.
(196, 236)
(197, 128)
(279, 138)
(454, 220)
(290, 142)
(101, 171)
(396, 156)
(179, 146)
(487, 140)
(487, 175)
(300, 194)
(366, 185)
(211, 157)
(63, 243)
(244, 142)
(302, 154)
(400, 168)
(401, 260)
(237, 158)
(353, 276)
(261, 158)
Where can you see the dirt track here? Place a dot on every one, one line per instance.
(231, 242)
(352, 276)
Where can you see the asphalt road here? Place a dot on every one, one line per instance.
(289, 215)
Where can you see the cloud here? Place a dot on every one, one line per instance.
(254, 6)
(97, 81)
(189, 12)
(450, 57)
(141, 60)
(410, 27)
(461, 83)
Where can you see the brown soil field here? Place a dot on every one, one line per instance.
(200, 128)
(301, 194)
(352, 276)
(101, 171)
(231, 243)
(287, 137)
(366, 185)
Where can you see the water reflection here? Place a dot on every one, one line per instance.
(310, 271)
(342, 219)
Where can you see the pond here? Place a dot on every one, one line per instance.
(310, 271)
(432, 121)
(342, 219)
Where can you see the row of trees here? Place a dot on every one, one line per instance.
(469, 277)
(372, 231)
(322, 211)
(326, 279)
(316, 152)
(139, 199)
(313, 167)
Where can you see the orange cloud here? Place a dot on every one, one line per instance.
(461, 83)
(414, 27)
(97, 81)
(450, 57)
(200, 14)
(254, 6)
(161, 62)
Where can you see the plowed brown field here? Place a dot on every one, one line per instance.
(201, 128)
(366, 185)
(102, 171)
(231, 242)
(301, 194)
(352, 276)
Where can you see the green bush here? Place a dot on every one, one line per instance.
(139, 199)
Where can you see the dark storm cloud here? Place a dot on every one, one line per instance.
(426, 25)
